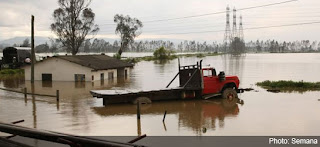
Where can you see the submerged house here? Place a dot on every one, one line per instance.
(78, 68)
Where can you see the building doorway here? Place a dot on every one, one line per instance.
(110, 75)
(102, 76)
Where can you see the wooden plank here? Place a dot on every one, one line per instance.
(54, 136)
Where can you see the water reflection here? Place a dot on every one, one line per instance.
(12, 81)
(193, 114)
(233, 64)
(288, 90)
(161, 61)
(79, 113)
(70, 90)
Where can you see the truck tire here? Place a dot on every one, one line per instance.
(142, 100)
(226, 103)
(230, 94)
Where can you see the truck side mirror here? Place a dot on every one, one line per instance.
(222, 76)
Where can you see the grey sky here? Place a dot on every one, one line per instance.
(16, 14)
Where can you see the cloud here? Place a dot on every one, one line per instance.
(15, 17)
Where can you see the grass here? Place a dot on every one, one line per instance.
(11, 71)
(5, 73)
(290, 85)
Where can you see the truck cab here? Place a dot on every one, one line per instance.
(205, 82)
(214, 83)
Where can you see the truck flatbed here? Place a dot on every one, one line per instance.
(133, 95)
(193, 84)
(102, 93)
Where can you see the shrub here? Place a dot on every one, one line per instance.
(117, 56)
(162, 53)
(289, 84)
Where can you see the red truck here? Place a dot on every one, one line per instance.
(195, 83)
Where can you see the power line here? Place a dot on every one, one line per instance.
(299, 11)
(169, 28)
(206, 14)
(221, 12)
(203, 27)
(252, 28)
(266, 5)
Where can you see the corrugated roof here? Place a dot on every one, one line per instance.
(96, 62)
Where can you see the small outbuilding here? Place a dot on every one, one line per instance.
(78, 68)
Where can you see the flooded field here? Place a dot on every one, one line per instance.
(261, 113)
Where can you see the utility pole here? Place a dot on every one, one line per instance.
(227, 34)
(241, 35)
(234, 47)
(234, 27)
(33, 58)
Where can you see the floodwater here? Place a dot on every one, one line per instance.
(261, 113)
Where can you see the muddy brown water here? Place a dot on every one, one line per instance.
(261, 113)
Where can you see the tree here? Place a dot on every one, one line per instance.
(237, 46)
(162, 53)
(25, 43)
(86, 47)
(98, 45)
(128, 28)
(42, 48)
(259, 48)
(73, 21)
(54, 45)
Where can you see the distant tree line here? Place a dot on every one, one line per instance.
(282, 47)
(102, 46)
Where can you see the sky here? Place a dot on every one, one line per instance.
(15, 18)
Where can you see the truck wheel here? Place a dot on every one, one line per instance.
(142, 100)
(230, 94)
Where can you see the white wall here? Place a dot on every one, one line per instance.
(96, 74)
(63, 70)
(60, 69)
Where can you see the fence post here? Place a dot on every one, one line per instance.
(25, 94)
(164, 116)
(138, 109)
(57, 95)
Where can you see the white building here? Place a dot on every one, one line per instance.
(78, 68)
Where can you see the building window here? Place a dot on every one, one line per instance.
(92, 77)
(46, 77)
(110, 75)
(79, 77)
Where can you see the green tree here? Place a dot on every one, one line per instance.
(73, 21)
(128, 28)
(237, 46)
(162, 53)
(26, 43)
(259, 48)
(54, 45)
(42, 48)
(87, 45)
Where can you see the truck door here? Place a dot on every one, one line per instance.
(210, 81)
